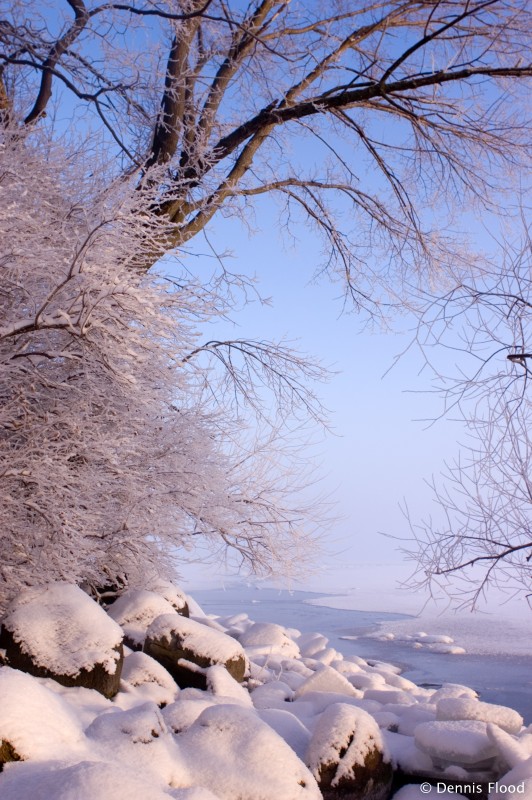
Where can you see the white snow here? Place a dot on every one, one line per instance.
(510, 749)
(222, 684)
(289, 728)
(180, 715)
(273, 694)
(63, 630)
(260, 740)
(140, 740)
(177, 598)
(327, 679)
(87, 780)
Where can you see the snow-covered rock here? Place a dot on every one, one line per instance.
(463, 742)
(327, 679)
(274, 694)
(270, 638)
(405, 755)
(140, 740)
(237, 755)
(347, 755)
(452, 690)
(147, 680)
(182, 645)
(310, 643)
(175, 596)
(289, 728)
(510, 750)
(455, 708)
(302, 703)
(222, 685)
(520, 775)
(135, 610)
(58, 632)
(35, 722)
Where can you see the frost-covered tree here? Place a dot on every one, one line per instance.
(372, 121)
(112, 458)
(382, 125)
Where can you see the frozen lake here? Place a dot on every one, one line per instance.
(498, 663)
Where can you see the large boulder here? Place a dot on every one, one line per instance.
(58, 632)
(186, 647)
(456, 742)
(236, 755)
(459, 708)
(347, 755)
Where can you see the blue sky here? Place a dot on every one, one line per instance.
(380, 453)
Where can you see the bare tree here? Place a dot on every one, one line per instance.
(483, 538)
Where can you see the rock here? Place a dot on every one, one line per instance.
(463, 742)
(236, 755)
(175, 596)
(7, 753)
(185, 647)
(347, 755)
(456, 708)
(58, 632)
(327, 679)
(135, 610)
(146, 679)
(35, 722)
(270, 636)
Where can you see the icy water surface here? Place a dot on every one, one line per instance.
(498, 678)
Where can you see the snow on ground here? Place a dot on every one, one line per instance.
(260, 740)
